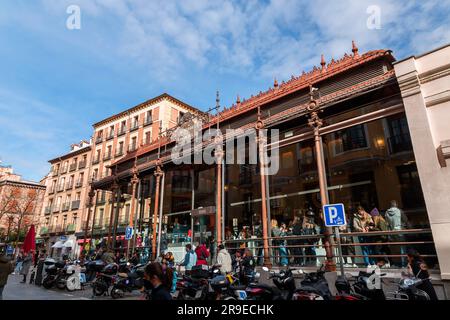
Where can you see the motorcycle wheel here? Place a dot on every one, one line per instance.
(47, 283)
(116, 293)
(98, 289)
(70, 284)
(61, 284)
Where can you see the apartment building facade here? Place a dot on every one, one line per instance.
(64, 209)
(120, 136)
(20, 204)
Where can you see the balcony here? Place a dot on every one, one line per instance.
(110, 136)
(82, 165)
(63, 170)
(69, 185)
(44, 230)
(60, 187)
(98, 140)
(75, 205)
(119, 153)
(56, 208)
(55, 173)
(132, 148)
(51, 190)
(121, 132)
(48, 210)
(73, 167)
(135, 126)
(96, 160)
(71, 227)
(101, 200)
(79, 184)
(107, 157)
(66, 206)
(148, 121)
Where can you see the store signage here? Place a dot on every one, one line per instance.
(206, 211)
(334, 215)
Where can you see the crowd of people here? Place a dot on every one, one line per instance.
(287, 249)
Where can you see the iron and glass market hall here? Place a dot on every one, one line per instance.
(343, 138)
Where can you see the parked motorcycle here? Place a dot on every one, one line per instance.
(54, 274)
(407, 290)
(104, 279)
(128, 282)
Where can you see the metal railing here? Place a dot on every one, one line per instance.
(119, 153)
(63, 170)
(82, 165)
(66, 206)
(99, 139)
(73, 167)
(121, 132)
(110, 136)
(148, 121)
(107, 157)
(132, 148)
(56, 208)
(71, 227)
(135, 126)
(51, 190)
(60, 187)
(360, 248)
(48, 210)
(79, 183)
(69, 185)
(75, 205)
(96, 160)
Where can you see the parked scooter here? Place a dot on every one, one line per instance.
(54, 273)
(104, 279)
(407, 290)
(76, 279)
(128, 282)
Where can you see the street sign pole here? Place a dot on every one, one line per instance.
(341, 258)
(334, 216)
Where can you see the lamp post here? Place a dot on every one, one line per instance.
(91, 195)
(158, 174)
(134, 182)
(316, 123)
(261, 142)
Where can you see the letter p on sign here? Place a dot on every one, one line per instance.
(334, 215)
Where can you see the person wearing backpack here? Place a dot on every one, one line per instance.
(202, 254)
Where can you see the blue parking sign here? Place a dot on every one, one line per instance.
(334, 215)
(128, 233)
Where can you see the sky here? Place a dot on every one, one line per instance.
(55, 81)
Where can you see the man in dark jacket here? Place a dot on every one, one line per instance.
(6, 268)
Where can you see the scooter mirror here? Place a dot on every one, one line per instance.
(265, 269)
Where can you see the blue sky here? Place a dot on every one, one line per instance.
(55, 82)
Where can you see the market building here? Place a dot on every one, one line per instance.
(344, 136)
